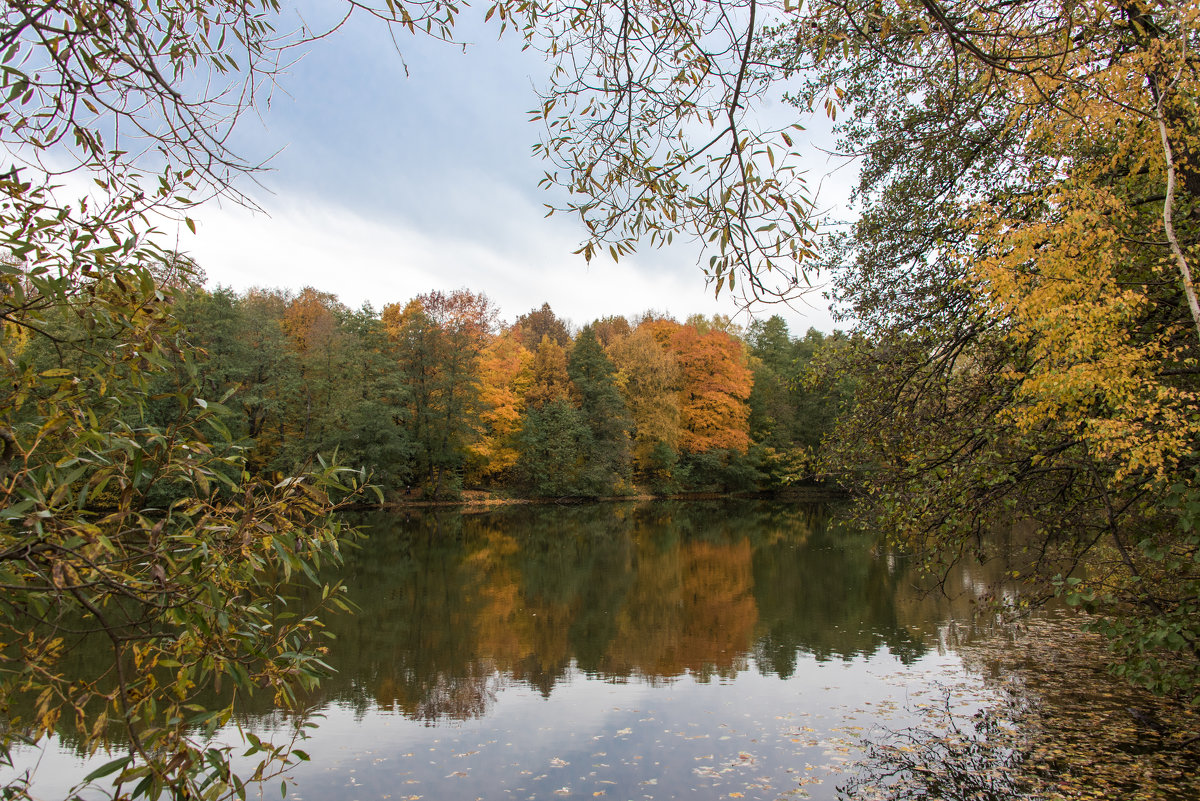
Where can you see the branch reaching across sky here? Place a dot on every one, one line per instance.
(648, 125)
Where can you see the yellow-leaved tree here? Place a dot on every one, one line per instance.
(505, 377)
(1021, 276)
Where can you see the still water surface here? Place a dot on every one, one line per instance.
(651, 651)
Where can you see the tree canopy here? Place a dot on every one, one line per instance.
(1020, 276)
(127, 509)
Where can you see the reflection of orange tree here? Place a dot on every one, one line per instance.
(720, 611)
(499, 627)
(523, 636)
(691, 608)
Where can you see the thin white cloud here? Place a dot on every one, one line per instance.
(397, 181)
(308, 242)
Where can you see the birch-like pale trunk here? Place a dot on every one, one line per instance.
(1168, 222)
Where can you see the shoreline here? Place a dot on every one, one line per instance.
(486, 499)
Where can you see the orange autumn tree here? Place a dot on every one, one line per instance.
(309, 321)
(715, 384)
(505, 376)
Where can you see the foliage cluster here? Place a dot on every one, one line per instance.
(1020, 277)
(127, 512)
(434, 396)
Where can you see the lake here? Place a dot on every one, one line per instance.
(663, 650)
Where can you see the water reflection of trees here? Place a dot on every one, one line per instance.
(832, 597)
(690, 609)
(453, 607)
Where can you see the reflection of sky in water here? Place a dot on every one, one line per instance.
(758, 736)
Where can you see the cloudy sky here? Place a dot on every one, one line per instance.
(385, 185)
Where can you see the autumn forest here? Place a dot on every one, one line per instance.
(436, 396)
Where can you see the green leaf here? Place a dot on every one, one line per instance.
(108, 768)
